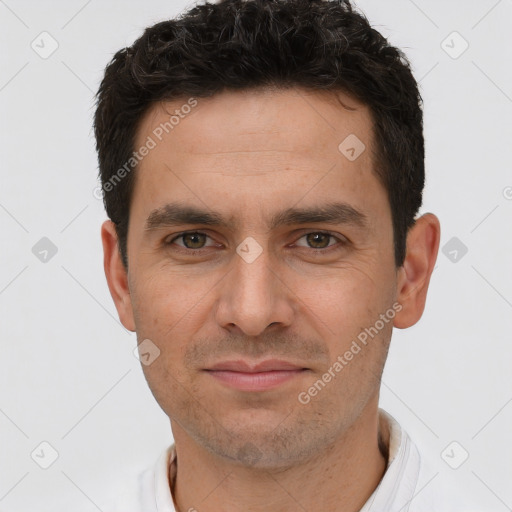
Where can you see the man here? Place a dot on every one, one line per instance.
(262, 164)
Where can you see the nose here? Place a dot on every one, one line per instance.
(253, 297)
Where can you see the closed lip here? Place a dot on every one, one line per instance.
(268, 365)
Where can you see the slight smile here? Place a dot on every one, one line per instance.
(262, 376)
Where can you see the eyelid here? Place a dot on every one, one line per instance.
(342, 240)
(189, 232)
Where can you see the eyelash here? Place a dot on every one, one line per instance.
(329, 248)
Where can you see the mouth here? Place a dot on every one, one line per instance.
(262, 376)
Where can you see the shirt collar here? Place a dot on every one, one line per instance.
(397, 484)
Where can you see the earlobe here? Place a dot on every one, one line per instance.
(116, 275)
(414, 275)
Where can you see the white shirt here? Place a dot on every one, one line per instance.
(408, 485)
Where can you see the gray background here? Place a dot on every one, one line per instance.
(67, 370)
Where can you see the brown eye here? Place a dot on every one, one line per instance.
(193, 240)
(318, 240)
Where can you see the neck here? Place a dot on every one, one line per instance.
(341, 478)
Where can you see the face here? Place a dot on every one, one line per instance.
(289, 262)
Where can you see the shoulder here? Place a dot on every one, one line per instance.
(415, 481)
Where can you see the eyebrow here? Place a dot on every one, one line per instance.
(175, 214)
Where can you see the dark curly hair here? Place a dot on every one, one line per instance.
(243, 44)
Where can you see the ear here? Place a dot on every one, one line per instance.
(117, 277)
(414, 275)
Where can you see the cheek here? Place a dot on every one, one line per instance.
(169, 309)
(162, 297)
(162, 309)
(341, 295)
(342, 306)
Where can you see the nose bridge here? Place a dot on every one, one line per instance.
(253, 274)
(253, 297)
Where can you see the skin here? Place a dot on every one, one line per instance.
(249, 155)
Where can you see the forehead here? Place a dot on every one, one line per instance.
(248, 150)
(303, 123)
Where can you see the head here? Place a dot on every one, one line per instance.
(285, 138)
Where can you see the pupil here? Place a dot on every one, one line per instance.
(316, 236)
(194, 236)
